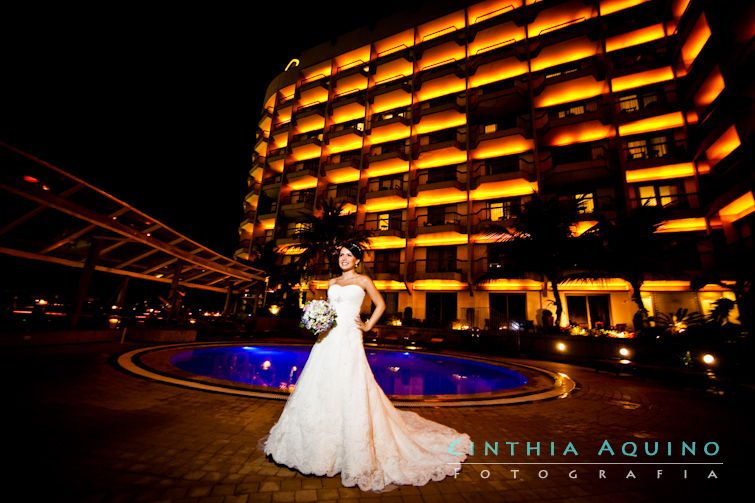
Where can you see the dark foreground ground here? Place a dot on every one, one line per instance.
(79, 429)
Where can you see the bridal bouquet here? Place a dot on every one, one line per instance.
(318, 316)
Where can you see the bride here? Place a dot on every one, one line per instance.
(339, 420)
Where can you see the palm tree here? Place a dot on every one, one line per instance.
(539, 240)
(321, 236)
(628, 248)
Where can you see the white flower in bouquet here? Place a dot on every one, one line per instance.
(319, 316)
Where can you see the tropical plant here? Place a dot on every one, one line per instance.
(538, 240)
(678, 322)
(322, 235)
(626, 247)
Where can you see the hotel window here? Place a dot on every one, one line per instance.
(585, 203)
(637, 149)
(500, 210)
(389, 220)
(441, 259)
(563, 71)
(629, 103)
(589, 311)
(659, 146)
(570, 111)
(490, 128)
(294, 228)
(387, 261)
(659, 195)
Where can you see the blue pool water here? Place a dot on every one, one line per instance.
(399, 373)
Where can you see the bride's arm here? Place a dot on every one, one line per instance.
(372, 291)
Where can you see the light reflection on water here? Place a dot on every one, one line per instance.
(399, 373)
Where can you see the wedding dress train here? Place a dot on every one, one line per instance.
(339, 420)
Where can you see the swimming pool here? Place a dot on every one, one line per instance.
(410, 378)
(401, 374)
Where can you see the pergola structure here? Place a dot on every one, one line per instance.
(49, 215)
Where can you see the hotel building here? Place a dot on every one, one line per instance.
(431, 124)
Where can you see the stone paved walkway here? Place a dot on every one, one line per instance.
(81, 430)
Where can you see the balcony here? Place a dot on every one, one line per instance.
(574, 170)
(503, 169)
(305, 178)
(441, 154)
(261, 146)
(385, 196)
(348, 138)
(391, 226)
(345, 170)
(308, 148)
(387, 270)
(395, 128)
(310, 119)
(298, 205)
(442, 82)
(313, 93)
(390, 96)
(424, 269)
(347, 109)
(439, 186)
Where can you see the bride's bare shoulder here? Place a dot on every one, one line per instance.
(364, 280)
(331, 282)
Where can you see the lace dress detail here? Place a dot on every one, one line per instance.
(339, 420)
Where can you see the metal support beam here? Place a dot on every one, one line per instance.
(84, 280)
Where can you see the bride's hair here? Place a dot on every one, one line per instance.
(355, 250)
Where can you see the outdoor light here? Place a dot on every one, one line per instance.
(708, 359)
(624, 352)
(274, 309)
(561, 346)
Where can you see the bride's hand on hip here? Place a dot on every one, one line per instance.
(361, 325)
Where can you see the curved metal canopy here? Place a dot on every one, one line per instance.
(50, 215)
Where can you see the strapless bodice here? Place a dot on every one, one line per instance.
(347, 301)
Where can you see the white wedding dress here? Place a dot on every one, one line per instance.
(338, 420)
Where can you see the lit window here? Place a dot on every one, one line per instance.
(659, 195)
(585, 203)
(490, 128)
(496, 211)
(571, 111)
(629, 103)
(637, 149)
(384, 221)
(658, 146)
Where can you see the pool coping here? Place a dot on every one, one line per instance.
(132, 362)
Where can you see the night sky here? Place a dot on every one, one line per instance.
(158, 106)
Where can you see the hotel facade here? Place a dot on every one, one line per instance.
(433, 124)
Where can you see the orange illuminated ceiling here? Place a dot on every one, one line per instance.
(682, 225)
(496, 36)
(392, 70)
(265, 122)
(665, 286)
(565, 52)
(441, 239)
(303, 183)
(710, 89)
(440, 157)
(313, 96)
(268, 223)
(345, 113)
(360, 56)
(315, 72)
(636, 37)
(387, 203)
(283, 115)
(280, 140)
(571, 90)
(439, 284)
(579, 228)
(389, 132)
(395, 43)
(666, 172)
(309, 123)
(640, 79)
(580, 133)
(561, 16)
(287, 92)
(601, 285)
(276, 165)
(497, 71)
(485, 10)
(657, 123)
(611, 6)
(724, 146)
(696, 40)
(306, 151)
(738, 208)
(386, 242)
(351, 84)
(440, 120)
(440, 26)
(390, 100)
(343, 143)
(441, 86)
(448, 195)
(261, 148)
(442, 54)
(503, 188)
(679, 6)
(386, 285)
(514, 285)
(343, 175)
(504, 145)
(387, 167)
(270, 103)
